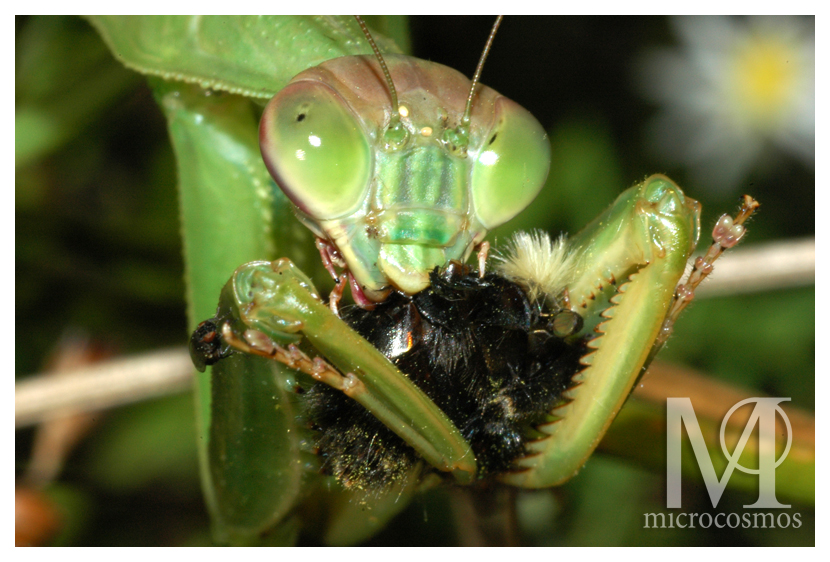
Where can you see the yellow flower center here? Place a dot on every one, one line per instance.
(765, 77)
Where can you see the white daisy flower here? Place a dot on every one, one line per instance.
(735, 89)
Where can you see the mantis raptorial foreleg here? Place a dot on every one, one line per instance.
(630, 260)
(273, 302)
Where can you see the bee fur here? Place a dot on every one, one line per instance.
(480, 347)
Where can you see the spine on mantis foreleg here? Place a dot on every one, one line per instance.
(641, 244)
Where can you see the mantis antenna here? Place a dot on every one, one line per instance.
(392, 93)
(465, 120)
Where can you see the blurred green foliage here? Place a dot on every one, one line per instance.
(97, 249)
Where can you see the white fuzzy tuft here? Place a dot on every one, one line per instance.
(543, 266)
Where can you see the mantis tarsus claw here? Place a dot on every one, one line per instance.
(726, 234)
(257, 343)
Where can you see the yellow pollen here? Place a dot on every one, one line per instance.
(765, 74)
(426, 132)
(404, 111)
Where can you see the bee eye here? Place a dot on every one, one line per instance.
(511, 166)
(316, 150)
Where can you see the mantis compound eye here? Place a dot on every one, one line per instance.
(316, 150)
(511, 166)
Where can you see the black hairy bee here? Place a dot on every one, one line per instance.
(495, 353)
(491, 357)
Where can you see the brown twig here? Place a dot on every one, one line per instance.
(763, 267)
(105, 385)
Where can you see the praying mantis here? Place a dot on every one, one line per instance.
(213, 136)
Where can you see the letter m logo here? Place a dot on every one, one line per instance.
(680, 411)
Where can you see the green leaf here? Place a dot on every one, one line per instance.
(254, 56)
